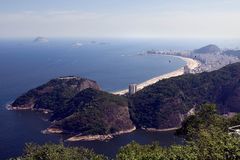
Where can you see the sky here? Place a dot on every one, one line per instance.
(120, 18)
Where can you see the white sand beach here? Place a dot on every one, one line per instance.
(191, 63)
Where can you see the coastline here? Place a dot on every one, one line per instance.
(160, 130)
(191, 63)
(99, 137)
(52, 131)
(11, 108)
(80, 137)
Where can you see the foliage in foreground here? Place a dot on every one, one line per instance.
(207, 135)
(58, 152)
(206, 118)
(211, 145)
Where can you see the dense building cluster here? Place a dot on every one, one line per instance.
(210, 60)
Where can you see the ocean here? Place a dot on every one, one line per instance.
(113, 63)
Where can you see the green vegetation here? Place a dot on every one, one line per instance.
(166, 103)
(211, 144)
(208, 49)
(58, 152)
(162, 105)
(54, 94)
(235, 120)
(207, 139)
(79, 107)
(95, 112)
(206, 118)
(207, 135)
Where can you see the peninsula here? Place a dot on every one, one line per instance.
(78, 107)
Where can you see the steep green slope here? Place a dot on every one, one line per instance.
(166, 103)
(78, 106)
(94, 112)
(54, 94)
(205, 118)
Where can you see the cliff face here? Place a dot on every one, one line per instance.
(94, 112)
(54, 94)
(164, 104)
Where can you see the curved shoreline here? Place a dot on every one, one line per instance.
(99, 137)
(160, 130)
(191, 63)
(80, 137)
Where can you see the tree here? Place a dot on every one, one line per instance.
(58, 152)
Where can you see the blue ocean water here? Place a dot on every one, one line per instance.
(112, 63)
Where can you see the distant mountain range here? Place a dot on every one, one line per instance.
(214, 49)
(208, 49)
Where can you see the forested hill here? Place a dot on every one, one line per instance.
(78, 106)
(208, 49)
(54, 94)
(94, 112)
(164, 104)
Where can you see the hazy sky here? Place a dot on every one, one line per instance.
(120, 18)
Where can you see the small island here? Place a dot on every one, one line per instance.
(41, 40)
(77, 45)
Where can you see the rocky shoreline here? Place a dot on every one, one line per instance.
(99, 137)
(11, 108)
(102, 137)
(80, 137)
(160, 130)
(52, 131)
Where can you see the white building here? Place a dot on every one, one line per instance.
(132, 89)
(187, 70)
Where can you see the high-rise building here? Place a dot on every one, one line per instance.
(187, 70)
(132, 88)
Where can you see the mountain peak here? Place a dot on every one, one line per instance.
(211, 48)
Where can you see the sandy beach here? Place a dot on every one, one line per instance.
(191, 63)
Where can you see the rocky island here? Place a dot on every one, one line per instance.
(78, 107)
(40, 40)
(54, 94)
